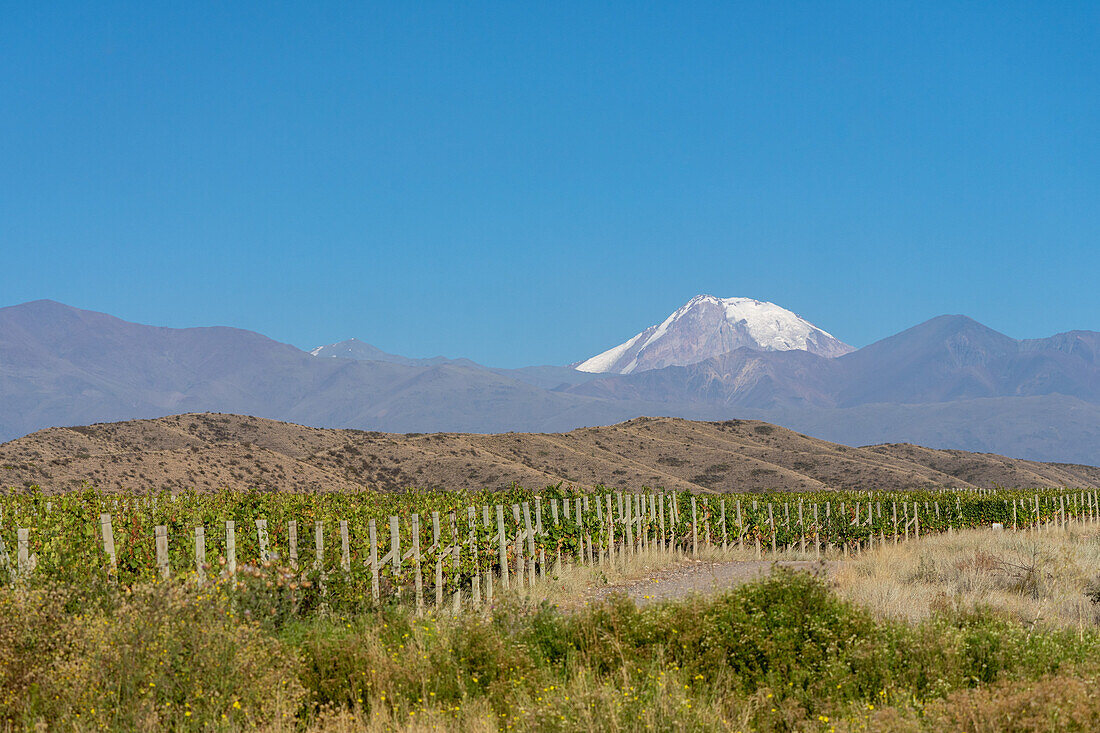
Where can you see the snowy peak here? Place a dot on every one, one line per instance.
(707, 326)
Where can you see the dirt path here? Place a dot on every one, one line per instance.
(701, 577)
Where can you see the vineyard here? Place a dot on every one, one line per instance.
(455, 547)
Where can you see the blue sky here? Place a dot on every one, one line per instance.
(521, 183)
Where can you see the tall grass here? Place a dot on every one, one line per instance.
(785, 653)
(1042, 577)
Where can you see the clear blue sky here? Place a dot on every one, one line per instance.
(533, 183)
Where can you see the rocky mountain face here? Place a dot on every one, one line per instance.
(706, 327)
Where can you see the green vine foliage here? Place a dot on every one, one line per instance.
(66, 541)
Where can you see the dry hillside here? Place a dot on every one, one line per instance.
(211, 451)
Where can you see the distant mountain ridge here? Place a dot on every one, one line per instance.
(706, 327)
(947, 383)
(353, 348)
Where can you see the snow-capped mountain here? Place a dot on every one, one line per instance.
(707, 326)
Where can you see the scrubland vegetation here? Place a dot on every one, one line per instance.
(928, 636)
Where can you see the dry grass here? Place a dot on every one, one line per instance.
(1043, 577)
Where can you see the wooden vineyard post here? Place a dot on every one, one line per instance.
(802, 528)
(629, 522)
(503, 544)
(787, 521)
(638, 508)
(895, 522)
(817, 534)
(396, 560)
(109, 546)
(756, 534)
(870, 527)
(662, 543)
(529, 530)
(292, 539)
(557, 541)
(725, 536)
(843, 516)
(475, 577)
(437, 549)
(22, 554)
(650, 522)
(601, 534)
(694, 529)
(1014, 515)
(517, 548)
(610, 531)
(587, 533)
(456, 551)
(1036, 526)
(542, 537)
(418, 576)
(345, 550)
(372, 537)
(916, 521)
(319, 546)
(517, 545)
(231, 547)
(706, 523)
(580, 531)
(161, 534)
(395, 551)
(200, 553)
(740, 528)
(261, 539)
(771, 522)
(485, 520)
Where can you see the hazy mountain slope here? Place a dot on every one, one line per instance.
(545, 377)
(353, 348)
(1043, 427)
(741, 378)
(214, 451)
(61, 365)
(954, 357)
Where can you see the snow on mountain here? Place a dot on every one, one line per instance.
(707, 326)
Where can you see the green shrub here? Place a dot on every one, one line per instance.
(164, 656)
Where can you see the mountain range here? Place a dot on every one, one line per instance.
(947, 383)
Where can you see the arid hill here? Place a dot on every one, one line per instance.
(212, 451)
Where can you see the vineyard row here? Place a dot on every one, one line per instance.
(471, 549)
